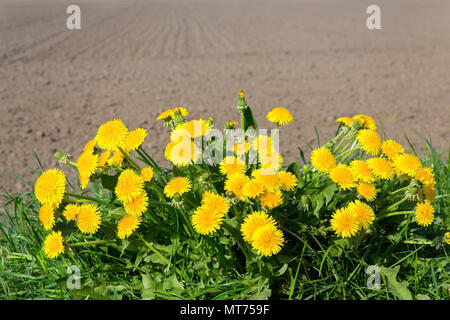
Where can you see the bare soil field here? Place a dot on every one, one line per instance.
(132, 59)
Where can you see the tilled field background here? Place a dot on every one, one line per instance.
(132, 59)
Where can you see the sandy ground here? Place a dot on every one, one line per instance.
(133, 59)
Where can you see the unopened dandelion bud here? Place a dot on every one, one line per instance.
(329, 145)
(63, 158)
(177, 202)
(304, 203)
(411, 193)
(242, 104)
(204, 178)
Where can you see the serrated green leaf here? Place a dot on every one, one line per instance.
(317, 201)
(328, 192)
(172, 283)
(398, 289)
(282, 270)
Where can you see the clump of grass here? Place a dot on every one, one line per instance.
(140, 231)
(317, 272)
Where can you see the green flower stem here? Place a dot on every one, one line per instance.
(79, 196)
(391, 214)
(243, 123)
(399, 190)
(396, 204)
(187, 221)
(346, 154)
(352, 140)
(155, 166)
(276, 130)
(342, 141)
(158, 191)
(159, 254)
(88, 243)
(238, 216)
(338, 136)
(134, 164)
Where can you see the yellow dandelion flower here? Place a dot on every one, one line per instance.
(103, 158)
(179, 134)
(50, 187)
(424, 213)
(116, 159)
(252, 189)
(183, 111)
(254, 221)
(206, 219)
(127, 225)
(381, 168)
(346, 121)
(241, 148)
(391, 149)
(89, 147)
(267, 240)
(231, 165)
(271, 160)
(447, 237)
(235, 184)
(407, 164)
(365, 121)
(344, 223)
(137, 206)
(288, 180)
(268, 178)
(271, 200)
(343, 176)
(147, 174)
(54, 244)
(88, 218)
(367, 191)
(177, 185)
(71, 211)
(87, 163)
(219, 203)
(129, 186)
(47, 216)
(425, 176)
(369, 141)
(184, 153)
(280, 116)
(165, 115)
(429, 192)
(323, 160)
(84, 181)
(262, 143)
(363, 212)
(168, 150)
(361, 171)
(134, 139)
(111, 135)
(194, 128)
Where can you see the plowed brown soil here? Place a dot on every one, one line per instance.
(132, 59)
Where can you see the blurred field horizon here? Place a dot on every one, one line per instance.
(133, 59)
